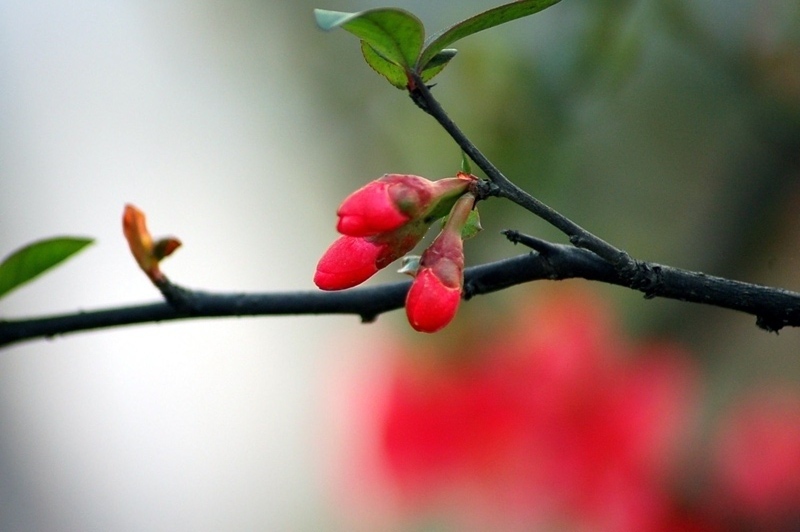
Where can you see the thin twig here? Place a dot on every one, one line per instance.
(503, 187)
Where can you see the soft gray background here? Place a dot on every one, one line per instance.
(193, 112)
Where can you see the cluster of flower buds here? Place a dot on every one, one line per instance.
(386, 219)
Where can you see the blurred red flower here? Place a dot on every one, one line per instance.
(553, 421)
(757, 461)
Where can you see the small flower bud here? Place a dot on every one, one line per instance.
(394, 200)
(348, 262)
(371, 210)
(351, 260)
(146, 253)
(431, 304)
(435, 294)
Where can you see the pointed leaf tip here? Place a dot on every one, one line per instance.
(32, 260)
(165, 247)
(473, 225)
(482, 21)
(466, 168)
(437, 64)
(329, 20)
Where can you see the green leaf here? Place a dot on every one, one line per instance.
(437, 63)
(395, 34)
(482, 21)
(36, 258)
(395, 74)
(465, 166)
(473, 225)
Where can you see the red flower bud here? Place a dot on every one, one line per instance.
(431, 304)
(435, 294)
(393, 200)
(351, 260)
(348, 262)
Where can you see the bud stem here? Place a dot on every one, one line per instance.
(459, 214)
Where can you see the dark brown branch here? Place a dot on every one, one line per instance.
(774, 308)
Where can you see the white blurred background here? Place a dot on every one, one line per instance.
(191, 111)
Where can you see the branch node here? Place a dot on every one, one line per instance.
(770, 323)
(537, 244)
(179, 298)
(471, 289)
(368, 318)
(483, 188)
(419, 98)
(544, 249)
(512, 235)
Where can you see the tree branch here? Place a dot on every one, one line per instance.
(589, 257)
(501, 186)
(182, 303)
(774, 308)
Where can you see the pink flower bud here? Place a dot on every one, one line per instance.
(348, 262)
(431, 304)
(351, 260)
(393, 200)
(435, 294)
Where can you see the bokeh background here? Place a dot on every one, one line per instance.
(669, 128)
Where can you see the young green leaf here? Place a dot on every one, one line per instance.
(473, 225)
(395, 74)
(437, 63)
(395, 34)
(36, 258)
(471, 228)
(482, 21)
(466, 168)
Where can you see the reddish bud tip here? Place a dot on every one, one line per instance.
(134, 227)
(383, 205)
(434, 296)
(146, 253)
(352, 260)
(430, 303)
(394, 200)
(348, 262)
(369, 210)
(165, 247)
